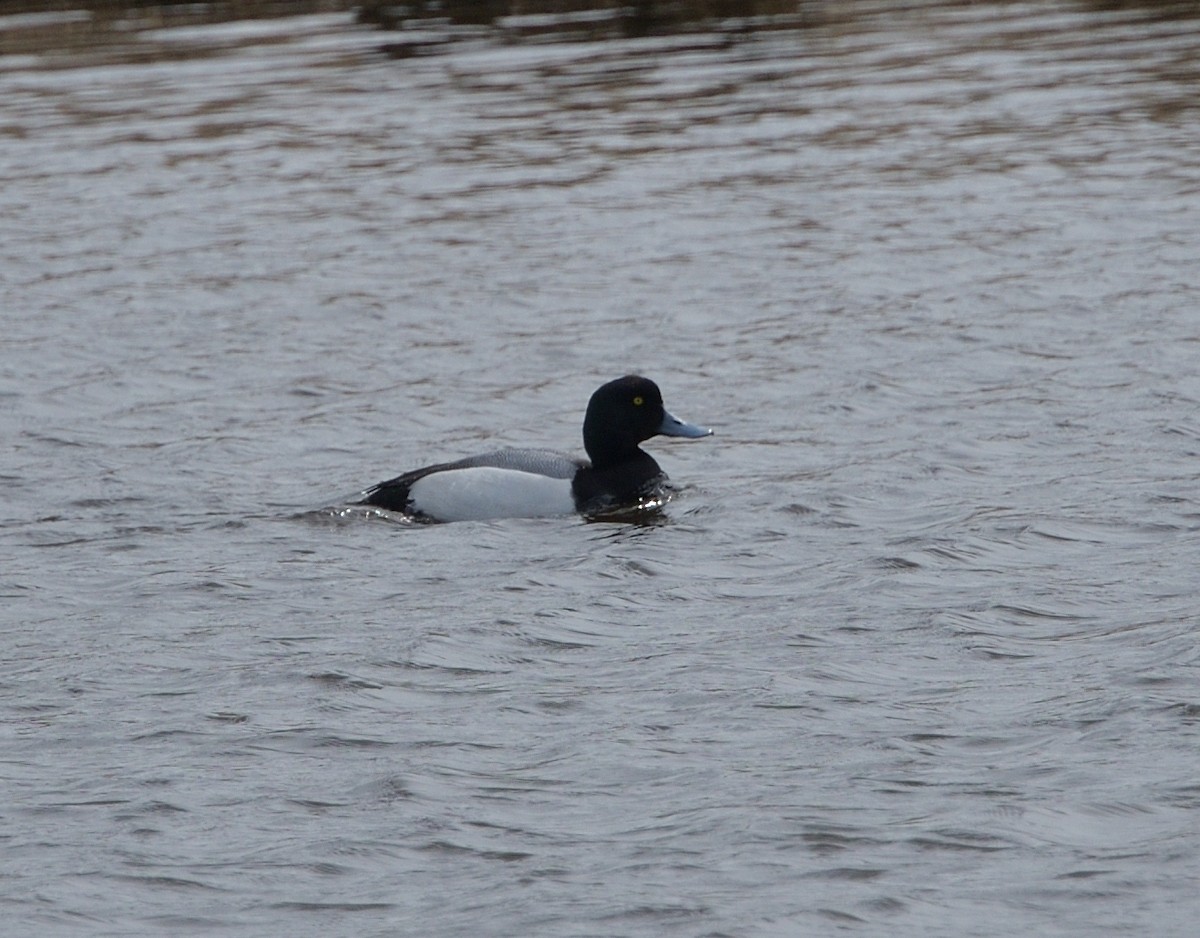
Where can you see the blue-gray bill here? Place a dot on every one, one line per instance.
(673, 426)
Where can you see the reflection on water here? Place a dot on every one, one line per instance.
(912, 650)
(31, 28)
(94, 26)
(90, 31)
(543, 19)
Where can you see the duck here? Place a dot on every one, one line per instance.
(539, 483)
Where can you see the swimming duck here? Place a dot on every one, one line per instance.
(534, 483)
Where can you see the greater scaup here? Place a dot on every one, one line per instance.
(532, 483)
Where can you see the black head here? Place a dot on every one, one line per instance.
(624, 412)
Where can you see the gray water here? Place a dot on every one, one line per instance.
(912, 653)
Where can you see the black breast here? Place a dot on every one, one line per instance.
(616, 485)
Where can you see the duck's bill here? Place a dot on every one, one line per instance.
(673, 426)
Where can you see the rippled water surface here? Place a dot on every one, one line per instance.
(912, 653)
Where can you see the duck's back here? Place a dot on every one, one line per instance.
(542, 462)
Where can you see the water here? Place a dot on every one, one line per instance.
(912, 653)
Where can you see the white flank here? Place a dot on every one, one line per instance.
(483, 492)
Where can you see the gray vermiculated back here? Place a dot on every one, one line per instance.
(545, 462)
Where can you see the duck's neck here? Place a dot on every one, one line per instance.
(607, 456)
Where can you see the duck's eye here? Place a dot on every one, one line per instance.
(639, 401)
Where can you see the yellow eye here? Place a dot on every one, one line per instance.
(638, 401)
